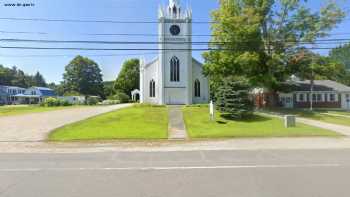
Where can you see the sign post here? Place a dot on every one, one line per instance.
(211, 111)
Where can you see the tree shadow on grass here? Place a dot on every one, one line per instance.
(249, 119)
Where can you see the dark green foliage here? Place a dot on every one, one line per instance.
(121, 97)
(39, 80)
(129, 77)
(341, 54)
(108, 88)
(16, 77)
(84, 76)
(260, 38)
(53, 102)
(92, 100)
(233, 100)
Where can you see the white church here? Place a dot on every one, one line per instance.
(174, 77)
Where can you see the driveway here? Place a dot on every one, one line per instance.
(37, 126)
(344, 130)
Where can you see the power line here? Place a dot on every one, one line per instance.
(132, 49)
(99, 21)
(103, 34)
(103, 21)
(12, 40)
(73, 55)
(127, 34)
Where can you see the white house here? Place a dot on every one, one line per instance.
(174, 77)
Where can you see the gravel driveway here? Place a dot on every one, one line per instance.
(37, 126)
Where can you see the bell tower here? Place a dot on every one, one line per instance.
(175, 54)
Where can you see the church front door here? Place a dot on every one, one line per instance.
(176, 96)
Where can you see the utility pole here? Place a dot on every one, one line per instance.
(312, 83)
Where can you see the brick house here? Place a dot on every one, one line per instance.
(297, 94)
(326, 94)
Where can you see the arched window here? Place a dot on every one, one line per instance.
(152, 89)
(174, 69)
(197, 88)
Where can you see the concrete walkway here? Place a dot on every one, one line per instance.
(344, 130)
(37, 126)
(177, 128)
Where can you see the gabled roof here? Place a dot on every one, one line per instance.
(319, 85)
(151, 62)
(45, 91)
(196, 61)
(43, 88)
(2, 86)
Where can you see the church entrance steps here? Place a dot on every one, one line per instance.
(177, 128)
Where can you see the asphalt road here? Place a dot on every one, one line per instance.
(278, 173)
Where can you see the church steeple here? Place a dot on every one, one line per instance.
(173, 3)
(174, 8)
(174, 11)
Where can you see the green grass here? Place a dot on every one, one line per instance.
(138, 122)
(18, 110)
(344, 113)
(318, 114)
(199, 126)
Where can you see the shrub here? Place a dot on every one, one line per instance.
(233, 100)
(53, 102)
(120, 96)
(110, 102)
(92, 101)
(65, 103)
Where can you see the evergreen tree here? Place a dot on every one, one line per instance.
(39, 80)
(233, 100)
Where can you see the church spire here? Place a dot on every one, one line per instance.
(174, 8)
(173, 3)
(174, 11)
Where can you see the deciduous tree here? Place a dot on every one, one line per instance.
(83, 75)
(129, 77)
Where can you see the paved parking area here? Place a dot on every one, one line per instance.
(36, 126)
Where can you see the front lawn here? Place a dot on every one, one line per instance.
(199, 126)
(318, 114)
(138, 122)
(26, 109)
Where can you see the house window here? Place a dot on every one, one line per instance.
(319, 97)
(197, 88)
(326, 97)
(314, 97)
(301, 97)
(152, 89)
(174, 69)
(332, 97)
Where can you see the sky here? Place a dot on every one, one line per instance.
(51, 63)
